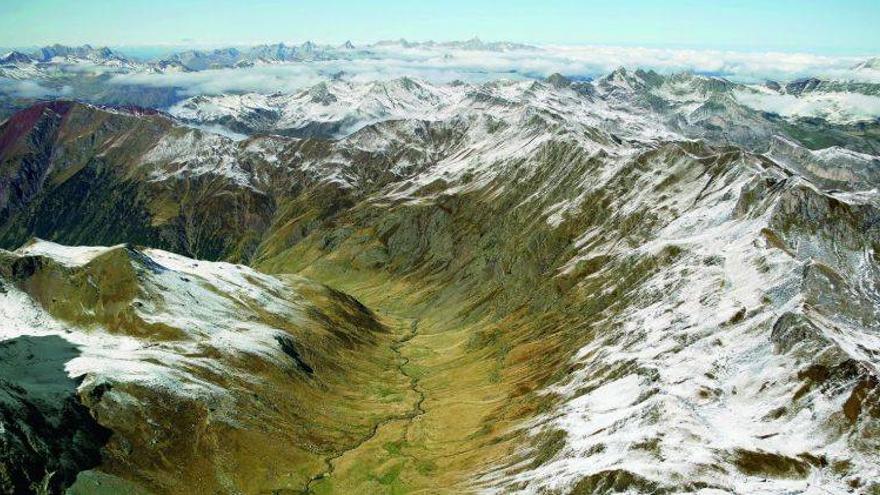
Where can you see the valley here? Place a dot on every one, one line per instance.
(541, 286)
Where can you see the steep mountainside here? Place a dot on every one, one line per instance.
(561, 290)
(685, 318)
(77, 174)
(722, 112)
(188, 376)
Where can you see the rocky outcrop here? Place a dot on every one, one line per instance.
(832, 168)
(49, 436)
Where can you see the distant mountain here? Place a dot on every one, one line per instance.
(307, 51)
(310, 51)
(696, 106)
(196, 60)
(15, 57)
(84, 52)
(870, 64)
(473, 44)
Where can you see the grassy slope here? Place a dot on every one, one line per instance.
(497, 321)
(455, 430)
(480, 319)
(286, 423)
(487, 335)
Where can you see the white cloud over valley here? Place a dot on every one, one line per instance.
(441, 64)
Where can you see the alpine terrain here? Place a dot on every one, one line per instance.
(646, 282)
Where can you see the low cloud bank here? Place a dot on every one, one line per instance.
(835, 107)
(31, 89)
(439, 64)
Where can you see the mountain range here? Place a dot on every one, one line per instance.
(196, 60)
(642, 283)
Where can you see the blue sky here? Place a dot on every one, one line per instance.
(819, 26)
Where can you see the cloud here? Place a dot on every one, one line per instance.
(440, 64)
(286, 77)
(261, 79)
(835, 107)
(742, 66)
(31, 89)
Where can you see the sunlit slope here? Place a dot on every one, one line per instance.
(204, 377)
(574, 297)
(683, 318)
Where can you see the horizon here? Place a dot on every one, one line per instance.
(165, 49)
(819, 27)
(439, 64)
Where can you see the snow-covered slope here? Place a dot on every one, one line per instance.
(834, 166)
(203, 305)
(686, 104)
(329, 108)
(178, 358)
(720, 305)
(630, 298)
(743, 361)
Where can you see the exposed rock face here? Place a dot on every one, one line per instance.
(73, 173)
(48, 435)
(833, 167)
(590, 301)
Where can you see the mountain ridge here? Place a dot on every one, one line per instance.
(569, 290)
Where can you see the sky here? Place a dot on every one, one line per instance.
(814, 26)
